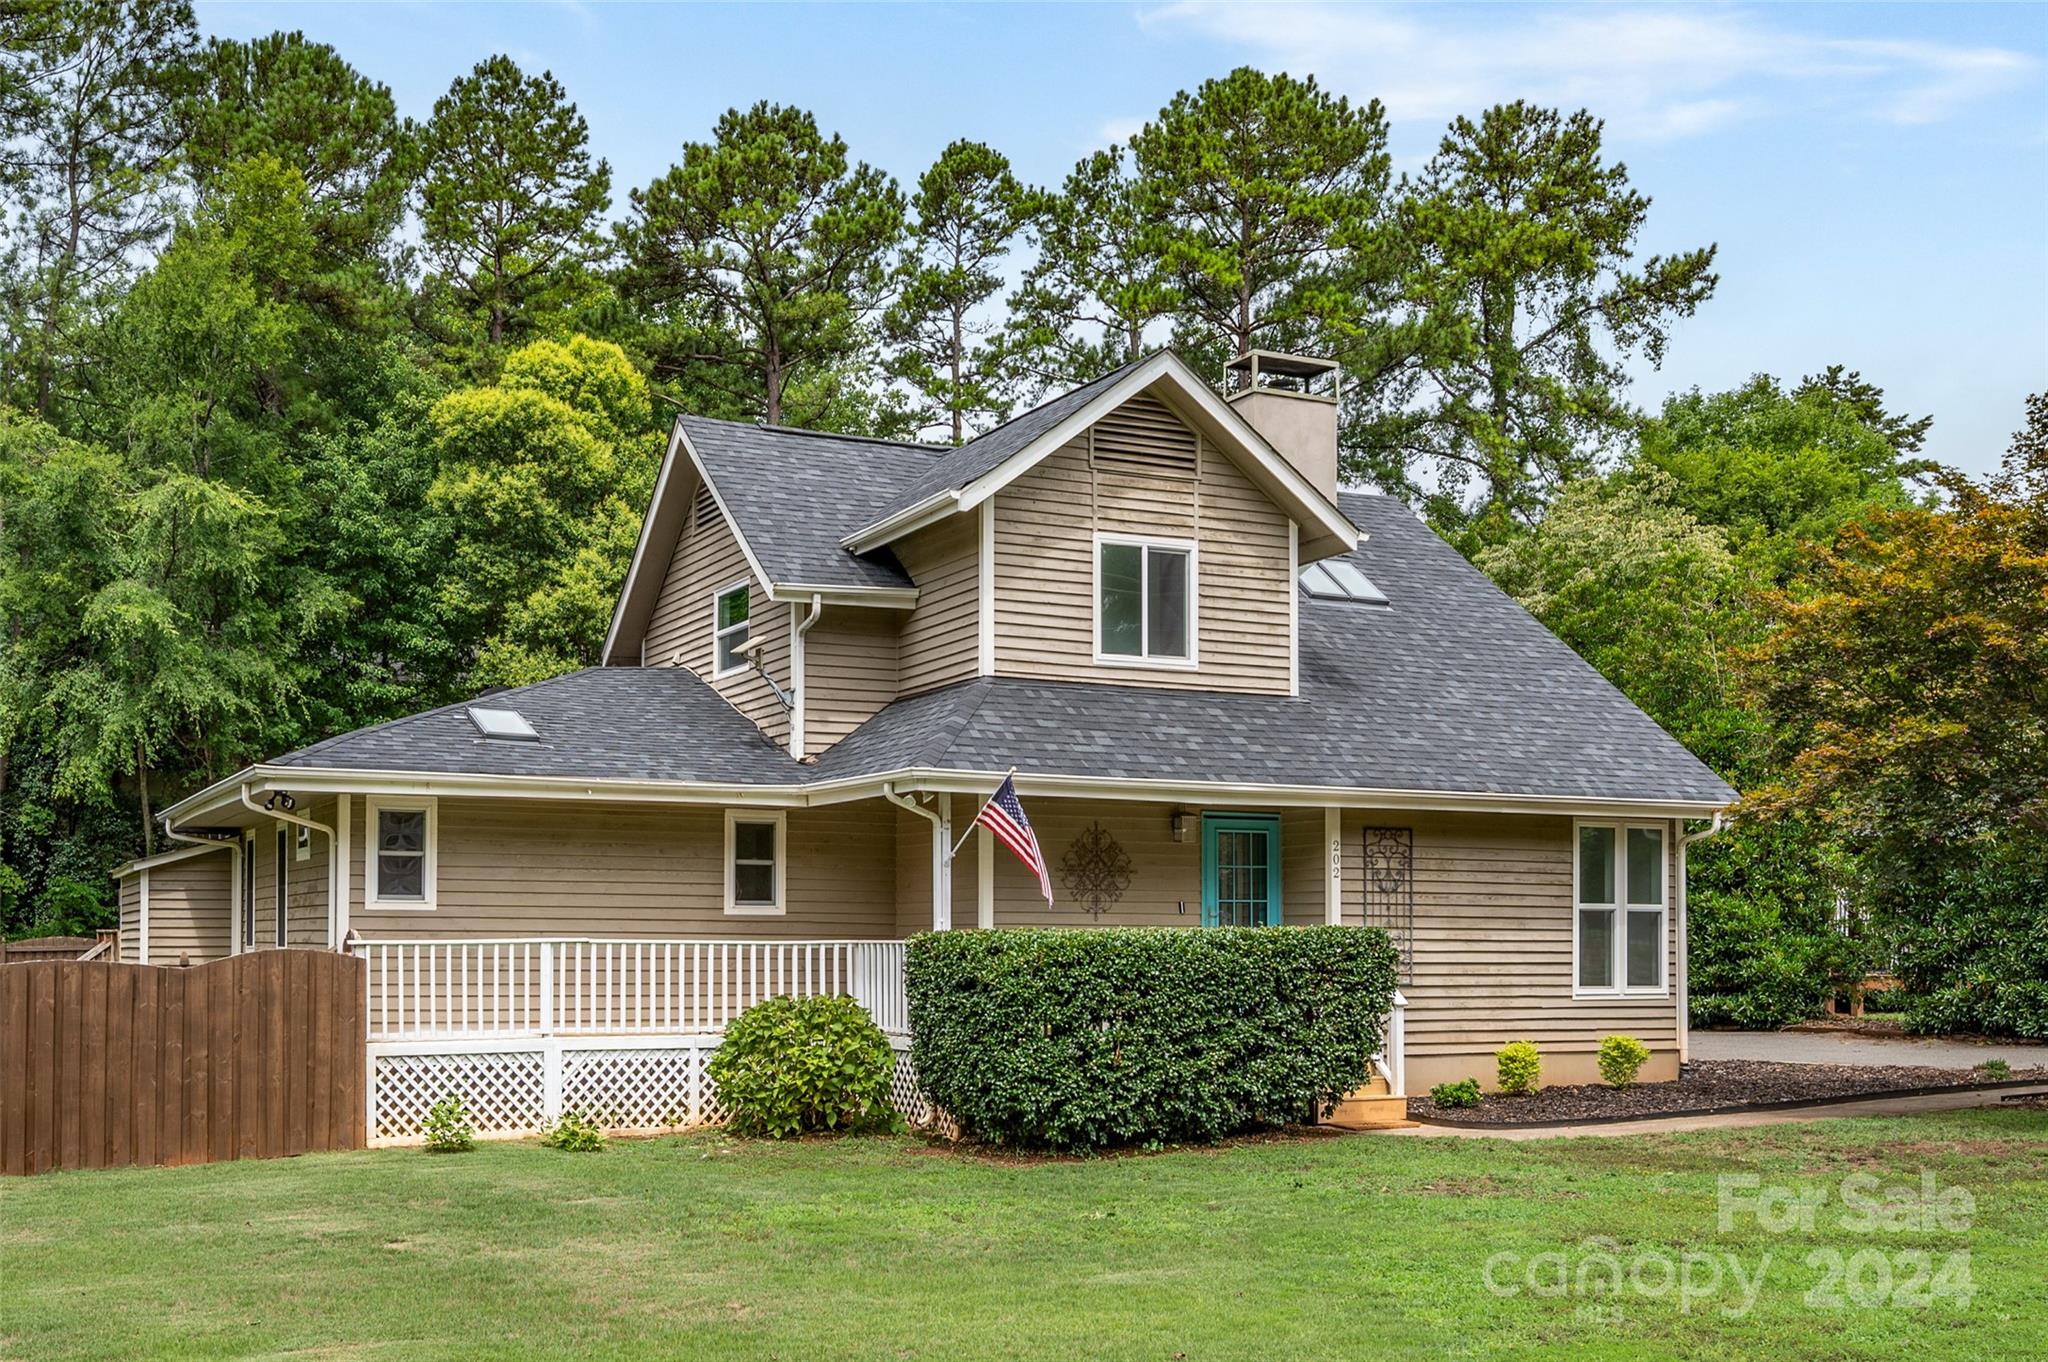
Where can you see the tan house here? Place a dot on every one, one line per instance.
(1232, 694)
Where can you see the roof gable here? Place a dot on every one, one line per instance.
(977, 470)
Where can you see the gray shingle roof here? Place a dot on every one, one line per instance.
(1453, 689)
(796, 493)
(955, 468)
(604, 723)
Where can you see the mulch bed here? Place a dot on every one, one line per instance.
(1706, 1086)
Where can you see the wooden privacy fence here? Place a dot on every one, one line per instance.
(254, 1056)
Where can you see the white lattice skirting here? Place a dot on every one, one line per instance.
(521, 1087)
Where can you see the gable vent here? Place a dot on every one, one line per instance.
(705, 513)
(1143, 435)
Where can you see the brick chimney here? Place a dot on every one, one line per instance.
(1292, 401)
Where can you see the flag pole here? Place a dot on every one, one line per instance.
(972, 822)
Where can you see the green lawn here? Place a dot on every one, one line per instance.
(1334, 1248)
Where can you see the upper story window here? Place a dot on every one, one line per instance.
(1145, 601)
(729, 630)
(1618, 932)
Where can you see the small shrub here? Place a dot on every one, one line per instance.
(1463, 1093)
(1995, 1069)
(574, 1134)
(448, 1128)
(1519, 1067)
(1058, 1039)
(1620, 1059)
(790, 1065)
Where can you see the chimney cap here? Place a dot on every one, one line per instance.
(1274, 371)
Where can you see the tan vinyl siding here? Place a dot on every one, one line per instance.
(1166, 876)
(1493, 949)
(515, 867)
(188, 911)
(1304, 885)
(849, 672)
(306, 911)
(707, 560)
(1045, 524)
(130, 894)
(941, 640)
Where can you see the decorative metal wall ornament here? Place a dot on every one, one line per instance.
(1096, 870)
(1390, 890)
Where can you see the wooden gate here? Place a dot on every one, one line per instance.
(250, 1057)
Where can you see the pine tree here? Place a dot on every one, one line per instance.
(1529, 301)
(761, 254)
(88, 145)
(510, 200)
(1097, 283)
(1266, 182)
(968, 207)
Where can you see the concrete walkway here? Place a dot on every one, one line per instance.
(1871, 1106)
(1837, 1047)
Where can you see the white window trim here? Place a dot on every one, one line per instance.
(302, 844)
(745, 584)
(430, 872)
(1181, 664)
(1622, 909)
(733, 818)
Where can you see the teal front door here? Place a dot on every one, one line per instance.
(1240, 870)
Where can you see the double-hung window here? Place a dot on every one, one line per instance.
(402, 853)
(1145, 601)
(729, 630)
(1619, 924)
(755, 851)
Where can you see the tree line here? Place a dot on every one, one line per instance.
(312, 415)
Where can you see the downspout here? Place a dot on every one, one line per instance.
(1685, 840)
(797, 685)
(286, 816)
(942, 852)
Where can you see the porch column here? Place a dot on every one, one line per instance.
(984, 878)
(1333, 847)
(942, 866)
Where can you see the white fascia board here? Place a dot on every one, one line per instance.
(262, 779)
(1103, 403)
(932, 509)
(167, 858)
(668, 458)
(880, 597)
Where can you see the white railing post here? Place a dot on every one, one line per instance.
(547, 987)
(1397, 1045)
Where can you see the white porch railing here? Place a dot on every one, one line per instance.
(1392, 1061)
(577, 986)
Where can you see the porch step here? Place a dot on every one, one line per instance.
(1369, 1108)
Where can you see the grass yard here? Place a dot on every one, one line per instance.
(1363, 1246)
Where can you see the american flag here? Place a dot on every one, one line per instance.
(1003, 815)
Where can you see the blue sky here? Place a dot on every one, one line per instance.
(1876, 176)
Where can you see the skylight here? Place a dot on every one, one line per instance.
(1339, 580)
(507, 724)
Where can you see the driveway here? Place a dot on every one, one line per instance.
(1831, 1047)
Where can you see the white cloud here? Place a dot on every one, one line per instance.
(1116, 131)
(1653, 74)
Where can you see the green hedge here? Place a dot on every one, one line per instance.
(1086, 1039)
